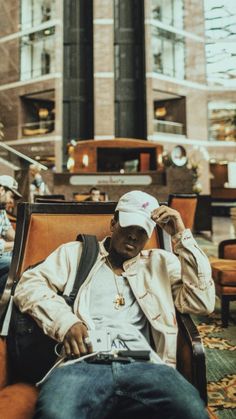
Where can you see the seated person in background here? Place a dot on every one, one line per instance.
(130, 293)
(8, 193)
(37, 186)
(94, 195)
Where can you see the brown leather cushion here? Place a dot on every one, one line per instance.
(48, 231)
(230, 251)
(80, 197)
(3, 363)
(17, 401)
(224, 271)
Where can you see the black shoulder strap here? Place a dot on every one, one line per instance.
(88, 257)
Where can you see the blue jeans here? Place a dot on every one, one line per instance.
(5, 261)
(136, 390)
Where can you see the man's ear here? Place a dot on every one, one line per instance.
(112, 224)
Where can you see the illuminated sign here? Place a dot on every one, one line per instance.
(110, 180)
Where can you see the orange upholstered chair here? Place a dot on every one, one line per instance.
(41, 228)
(81, 196)
(224, 275)
(186, 204)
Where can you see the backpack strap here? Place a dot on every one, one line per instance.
(89, 255)
(88, 258)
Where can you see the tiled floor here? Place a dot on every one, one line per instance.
(222, 230)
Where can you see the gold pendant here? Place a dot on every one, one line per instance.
(119, 301)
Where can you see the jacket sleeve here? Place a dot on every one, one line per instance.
(38, 288)
(192, 285)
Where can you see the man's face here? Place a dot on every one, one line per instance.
(95, 196)
(127, 241)
(6, 197)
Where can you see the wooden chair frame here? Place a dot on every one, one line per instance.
(190, 352)
(61, 197)
(181, 195)
(223, 244)
(226, 298)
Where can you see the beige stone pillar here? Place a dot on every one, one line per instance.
(59, 88)
(148, 58)
(103, 28)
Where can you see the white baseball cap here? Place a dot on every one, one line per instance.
(135, 208)
(10, 183)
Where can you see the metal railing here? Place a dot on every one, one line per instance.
(37, 128)
(21, 155)
(168, 127)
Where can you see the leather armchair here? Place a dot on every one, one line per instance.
(45, 223)
(186, 204)
(224, 275)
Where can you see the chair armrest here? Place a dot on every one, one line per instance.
(227, 249)
(17, 401)
(3, 363)
(190, 354)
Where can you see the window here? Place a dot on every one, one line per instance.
(35, 12)
(38, 113)
(126, 160)
(168, 53)
(169, 12)
(38, 54)
(220, 28)
(169, 114)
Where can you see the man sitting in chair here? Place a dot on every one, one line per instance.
(130, 297)
(94, 195)
(8, 194)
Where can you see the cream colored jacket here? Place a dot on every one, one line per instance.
(159, 280)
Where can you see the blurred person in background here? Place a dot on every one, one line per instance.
(8, 194)
(95, 195)
(38, 185)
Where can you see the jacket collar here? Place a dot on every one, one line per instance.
(130, 266)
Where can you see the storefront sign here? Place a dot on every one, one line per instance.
(110, 180)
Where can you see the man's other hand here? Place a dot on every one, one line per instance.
(76, 341)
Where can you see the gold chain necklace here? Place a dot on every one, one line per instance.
(119, 298)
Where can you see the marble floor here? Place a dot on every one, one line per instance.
(223, 229)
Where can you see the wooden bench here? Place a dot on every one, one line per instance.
(41, 228)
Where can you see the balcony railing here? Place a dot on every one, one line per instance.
(37, 128)
(168, 127)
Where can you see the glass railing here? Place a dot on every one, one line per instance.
(34, 13)
(7, 153)
(37, 128)
(168, 127)
(37, 72)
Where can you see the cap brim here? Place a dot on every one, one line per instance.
(16, 194)
(133, 219)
